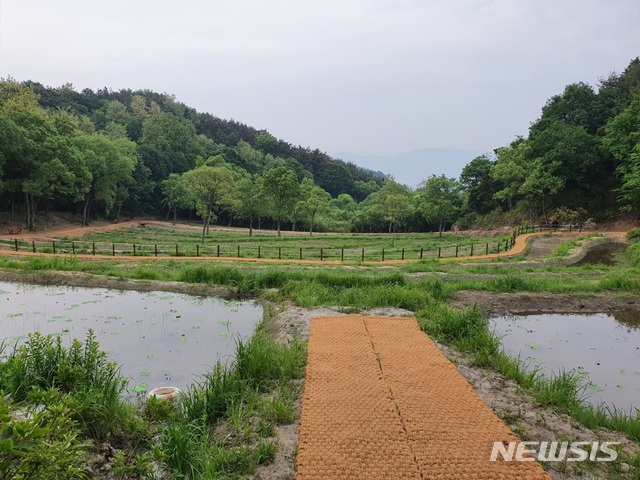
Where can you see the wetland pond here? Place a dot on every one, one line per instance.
(158, 338)
(603, 348)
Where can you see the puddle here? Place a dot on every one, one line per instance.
(158, 338)
(606, 254)
(605, 348)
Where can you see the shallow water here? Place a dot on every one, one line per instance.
(158, 338)
(605, 348)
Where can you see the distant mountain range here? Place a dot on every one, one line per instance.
(413, 167)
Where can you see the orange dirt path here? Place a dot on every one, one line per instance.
(381, 402)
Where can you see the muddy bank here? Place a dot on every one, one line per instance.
(492, 303)
(79, 279)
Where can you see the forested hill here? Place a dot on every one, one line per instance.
(176, 128)
(108, 153)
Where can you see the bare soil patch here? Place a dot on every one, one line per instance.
(492, 303)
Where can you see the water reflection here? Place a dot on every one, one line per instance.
(604, 348)
(628, 319)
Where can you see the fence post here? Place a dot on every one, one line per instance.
(177, 253)
(218, 250)
(498, 247)
(54, 247)
(113, 249)
(73, 247)
(279, 253)
(363, 254)
(439, 252)
(321, 254)
(258, 251)
(506, 245)
(471, 250)
(300, 253)
(94, 248)
(16, 243)
(238, 251)
(155, 249)
(421, 252)
(197, 249)
(486, 249)
(403, 254)
(33, 246)
(383, 254)
(456, 251)
(134, 249)
(342, 255)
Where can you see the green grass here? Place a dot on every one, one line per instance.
(564, 249)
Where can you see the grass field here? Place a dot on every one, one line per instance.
(150, 240)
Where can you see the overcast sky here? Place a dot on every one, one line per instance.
(365, 76)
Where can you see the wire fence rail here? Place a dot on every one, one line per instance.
(277, 252)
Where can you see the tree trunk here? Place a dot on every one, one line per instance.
(190, 214)
(293, 227)
(278, 227)
(204, 230)
(168, 213)
(85, 212)
(175, 215)
(31, 207)
(250, 226)
(311, 225)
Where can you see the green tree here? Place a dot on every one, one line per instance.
(623, 141)
(212, 188)
(282, 189)
(540, 184)
(479, 187)
(314, 202)
(177, 194)
(510, 171)
(251, 205)
(440, 200)
(396, 210)
(266, 142)
(336, 178)
(111, 164)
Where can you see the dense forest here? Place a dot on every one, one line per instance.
(109, 154)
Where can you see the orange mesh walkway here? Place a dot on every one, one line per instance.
(382, 402)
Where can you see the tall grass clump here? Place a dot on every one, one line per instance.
(209, 399)
(261, 361)
(82, 371)
(466, 330)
